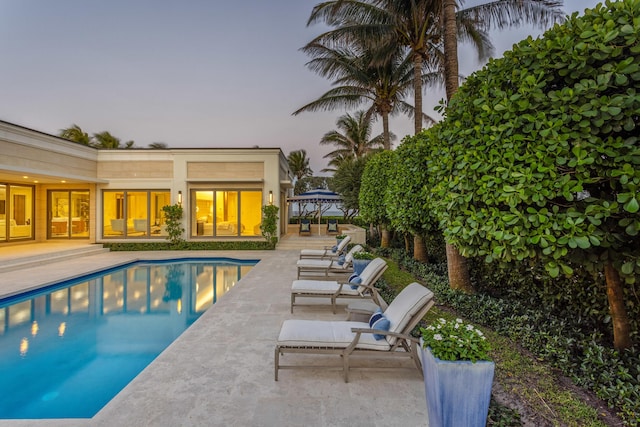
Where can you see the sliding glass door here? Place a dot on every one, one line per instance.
(68, 214)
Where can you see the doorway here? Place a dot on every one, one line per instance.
(68, 214)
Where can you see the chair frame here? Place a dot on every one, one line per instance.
(326, 266)
(335, 230)
(305, 222)
(365, 291)
(327, 252)
(405, 346)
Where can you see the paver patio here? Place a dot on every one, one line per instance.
(220, 371)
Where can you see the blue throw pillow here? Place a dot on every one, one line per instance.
(382, 324)
(375, 317)
(355, 281)
(353, 276)
(341, 260)
(334, 249)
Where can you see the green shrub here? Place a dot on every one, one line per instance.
(189, 246)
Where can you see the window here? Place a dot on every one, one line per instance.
(225, 213)
(134, 213)
(16, 212)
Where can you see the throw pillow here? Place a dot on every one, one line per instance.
(375, 317)
(382, 324)
(334, 249)
(341, 260)
(355, 281)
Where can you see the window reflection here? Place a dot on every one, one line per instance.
(184, 290)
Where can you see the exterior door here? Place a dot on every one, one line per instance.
(68, 214)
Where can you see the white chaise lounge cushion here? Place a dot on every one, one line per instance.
(404, 306)
(329, 334)
(329, 264)
(319, 253)
(321, 287)
(315, 263)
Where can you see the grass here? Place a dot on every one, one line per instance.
(521, 383)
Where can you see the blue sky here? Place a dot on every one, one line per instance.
(190, 73)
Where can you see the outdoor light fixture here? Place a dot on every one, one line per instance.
(270, 197)
(180, 197)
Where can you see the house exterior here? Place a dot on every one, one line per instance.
(52, 188)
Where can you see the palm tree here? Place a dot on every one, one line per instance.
(495, 14)
(354, 142)
(299, 164)
(107, 141)
(391, 25)
(358, 79)
(159, 145)
(75, 134)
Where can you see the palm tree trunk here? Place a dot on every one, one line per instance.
(458, 270)
(450, 48)
(419, 249)
(615, 294)
(417, 87)
(456, 263)
(386, 135)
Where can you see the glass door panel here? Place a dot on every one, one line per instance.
(69, 214)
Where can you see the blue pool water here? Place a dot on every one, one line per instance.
(68, 349)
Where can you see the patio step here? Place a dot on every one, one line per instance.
(296, 243)
(47, 257)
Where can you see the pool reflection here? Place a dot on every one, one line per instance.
(55, 340)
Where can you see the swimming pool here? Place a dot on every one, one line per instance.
(68, 349)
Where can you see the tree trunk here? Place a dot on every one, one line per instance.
(417, 88)
(386, 135)
(450, 48)
(456, 263)
(615, 294)
(419, 249)
(458, 270)
(407, 244)
(384, 237)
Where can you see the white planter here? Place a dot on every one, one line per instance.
(458, 393)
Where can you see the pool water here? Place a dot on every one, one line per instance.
(68, 349)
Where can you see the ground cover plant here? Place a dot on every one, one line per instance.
(527, 389)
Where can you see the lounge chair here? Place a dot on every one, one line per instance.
(333, 289)
(346, 338)
(305, 226)
(328, 251)
(329, 266)
(332, 226)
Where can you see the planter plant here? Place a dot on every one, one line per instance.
(361, 260)
(458, 373)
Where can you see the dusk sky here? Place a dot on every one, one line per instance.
(194, 73)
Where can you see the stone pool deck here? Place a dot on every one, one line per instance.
(220, 371)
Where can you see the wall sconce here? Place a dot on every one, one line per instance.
(270, 197)
(180, 198)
